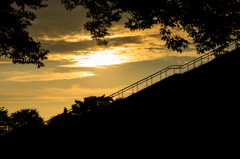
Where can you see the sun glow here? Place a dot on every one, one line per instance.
(98, 59)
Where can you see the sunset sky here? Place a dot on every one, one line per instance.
(77, 67)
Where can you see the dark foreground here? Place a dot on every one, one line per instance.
(195, 112)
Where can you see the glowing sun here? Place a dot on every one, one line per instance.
(99, 59)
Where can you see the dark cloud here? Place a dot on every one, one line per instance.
(62, 46)
(156, 48)
(55, 20)
(119, 41)
(158, 36)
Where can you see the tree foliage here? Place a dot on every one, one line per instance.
(4, 120)
(15, 42)
(91, 103)
(26, 118)
(80, 107)
(209, 23)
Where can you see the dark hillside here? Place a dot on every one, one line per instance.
(200, 101)
(204, 99)
(215, 84)
(198, 108)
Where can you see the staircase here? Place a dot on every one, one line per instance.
(167, 72)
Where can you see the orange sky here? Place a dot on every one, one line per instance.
(77, 67)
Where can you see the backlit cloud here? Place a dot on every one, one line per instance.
(71, 37)
(97, 59)
(44, 76)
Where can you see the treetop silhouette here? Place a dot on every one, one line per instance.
(210, 23)
(26, 117)
(4, 120)
(15, 42)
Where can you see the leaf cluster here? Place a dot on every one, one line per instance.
(15, 41)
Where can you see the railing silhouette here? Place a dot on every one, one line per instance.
(166, 72)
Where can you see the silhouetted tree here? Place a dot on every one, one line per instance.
(26, 118)
(15, 42)
(59, 119)
(4, 120)
(94, 102)
(209, 23)
(90, 103)
(79, 107)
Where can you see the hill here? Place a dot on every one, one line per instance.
(197, 108)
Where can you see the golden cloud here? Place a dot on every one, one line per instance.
(45, 76)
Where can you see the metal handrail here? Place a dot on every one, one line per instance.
(165, 71)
